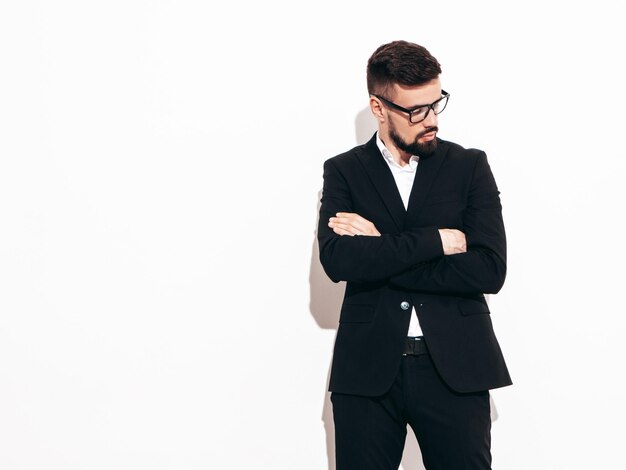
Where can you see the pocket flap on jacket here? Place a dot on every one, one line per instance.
(354, 313)
(473, 307)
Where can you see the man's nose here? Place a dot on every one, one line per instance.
(431, 119)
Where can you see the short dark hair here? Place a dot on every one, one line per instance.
(401, 62)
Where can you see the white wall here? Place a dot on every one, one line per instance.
(161, 301)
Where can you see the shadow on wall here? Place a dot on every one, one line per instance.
(325, 304)
(325, 295)
(364, 126)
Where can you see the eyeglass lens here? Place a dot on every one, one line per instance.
(421, 113)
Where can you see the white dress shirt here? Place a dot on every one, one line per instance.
(404, 177)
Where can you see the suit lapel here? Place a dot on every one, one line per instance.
(427, 170)
(382, 179)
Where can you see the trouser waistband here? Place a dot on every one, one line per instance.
(414, 346)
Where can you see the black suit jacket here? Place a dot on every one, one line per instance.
(453, 188)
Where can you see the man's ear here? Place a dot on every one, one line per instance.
(377, 109)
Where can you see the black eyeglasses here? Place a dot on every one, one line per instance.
(419, 113)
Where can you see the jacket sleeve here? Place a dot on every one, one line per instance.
(482, 269)
(366, 258)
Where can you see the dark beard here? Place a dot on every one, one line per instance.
(421, 149)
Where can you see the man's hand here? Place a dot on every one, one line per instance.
(348, 223)
(453, 241)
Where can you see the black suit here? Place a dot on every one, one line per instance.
(453, 188)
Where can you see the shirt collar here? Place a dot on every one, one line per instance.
(391, 161)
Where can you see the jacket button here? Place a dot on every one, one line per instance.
(404, 305)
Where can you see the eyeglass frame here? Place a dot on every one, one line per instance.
(410, 112)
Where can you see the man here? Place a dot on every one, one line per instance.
(414, 225)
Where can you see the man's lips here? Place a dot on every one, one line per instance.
(429, 134)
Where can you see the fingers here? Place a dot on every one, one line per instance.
(342, 228)
(341, 231)
(349, 215)
(348, 223)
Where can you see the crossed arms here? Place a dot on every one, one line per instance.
(348, 223)
(424, 259)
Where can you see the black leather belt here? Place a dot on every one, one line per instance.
(414, 346)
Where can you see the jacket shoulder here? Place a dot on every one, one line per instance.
(345, 158)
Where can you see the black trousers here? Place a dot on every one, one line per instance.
(453, 429)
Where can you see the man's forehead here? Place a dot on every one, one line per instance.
(410, 96)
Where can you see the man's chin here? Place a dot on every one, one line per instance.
(426, 147)
(420, 146)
